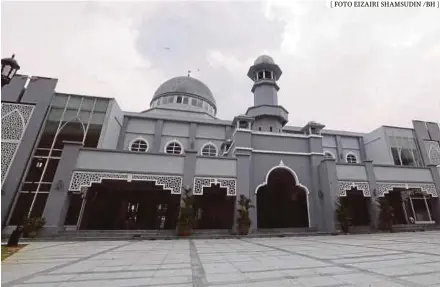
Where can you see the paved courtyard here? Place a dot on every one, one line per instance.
(389, 260)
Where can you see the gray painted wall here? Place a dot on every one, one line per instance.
(12, 91)
(351, 172)
(216, 167)
(111, 160)
(376, 147)
(402, 174)
(112, 126)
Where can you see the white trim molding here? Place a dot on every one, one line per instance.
(82, 179)
(284, 134)
(282, 166)
(228, 183)
(139, 139)
(238, 148)
(206, 144)
(329, 152)
(170, 142)
(426, 188)
(344, 186)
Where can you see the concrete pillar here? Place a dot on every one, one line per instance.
(435, 172)
(373, 208)
(57, 203)
(329, 191)
(243, 188)
(157, 136)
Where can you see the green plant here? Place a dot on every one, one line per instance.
(186, 216)
(386, 214)
(243, 220)
(32, 226)
(343, 216)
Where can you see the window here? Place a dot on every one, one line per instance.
(179, 100)
(259, 128)
(185, 100)
(139, 145)
(328, 154)
(173, 147)
(200, 103)
(260, 75)
(194, 102)
(351, 158)
(243, 125)
(209, 150)
(170, 99)
(404, 151)
(270, 129)
(267, 75)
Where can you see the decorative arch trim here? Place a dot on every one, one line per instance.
(426, 188)
(292, 172)
(228, 183)
(330, 153)
(173, 141)
(344, 186)
(81, 179)
(207, 144)
(138, 139)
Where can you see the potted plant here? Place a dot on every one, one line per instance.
(32, 226)
(186, 216)
(343, 216)
(386, 214)
(243, 219)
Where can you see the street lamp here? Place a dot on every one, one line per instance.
(9, 68)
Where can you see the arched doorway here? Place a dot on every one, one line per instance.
(281, 201)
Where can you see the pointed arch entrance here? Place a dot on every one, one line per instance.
(282, 202)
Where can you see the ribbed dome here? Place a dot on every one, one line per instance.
(185, 85)
(264, 59)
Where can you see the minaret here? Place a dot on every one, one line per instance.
(268, 115)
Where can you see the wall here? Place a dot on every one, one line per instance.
(351, 172)
(112, 126)
(110, 160)
(280, 143)
(402, 174)
(377, 148)
(219, 167)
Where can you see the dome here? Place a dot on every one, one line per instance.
(185, 85)
(264, 59)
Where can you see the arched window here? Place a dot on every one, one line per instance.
(209, 150)
(351, 158)
(139, 145)
(328, 154)
(174, 147)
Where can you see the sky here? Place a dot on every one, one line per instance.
(351, 69)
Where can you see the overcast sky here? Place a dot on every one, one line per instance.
(350, 69)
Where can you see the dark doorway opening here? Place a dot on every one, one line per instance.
(281, 203)
(114, 205)
(395, 200)
(214, 209)
(358, 207)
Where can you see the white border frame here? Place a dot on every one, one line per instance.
(332, 154)
(297, 183)
(136, 139)
(353, 154)
(206, 144)
(170, 142)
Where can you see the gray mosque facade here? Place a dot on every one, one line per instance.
(84, 164)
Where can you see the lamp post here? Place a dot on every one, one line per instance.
(9, 69)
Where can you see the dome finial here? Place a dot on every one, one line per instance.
(189, 73)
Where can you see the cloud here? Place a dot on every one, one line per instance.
(352, 69)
